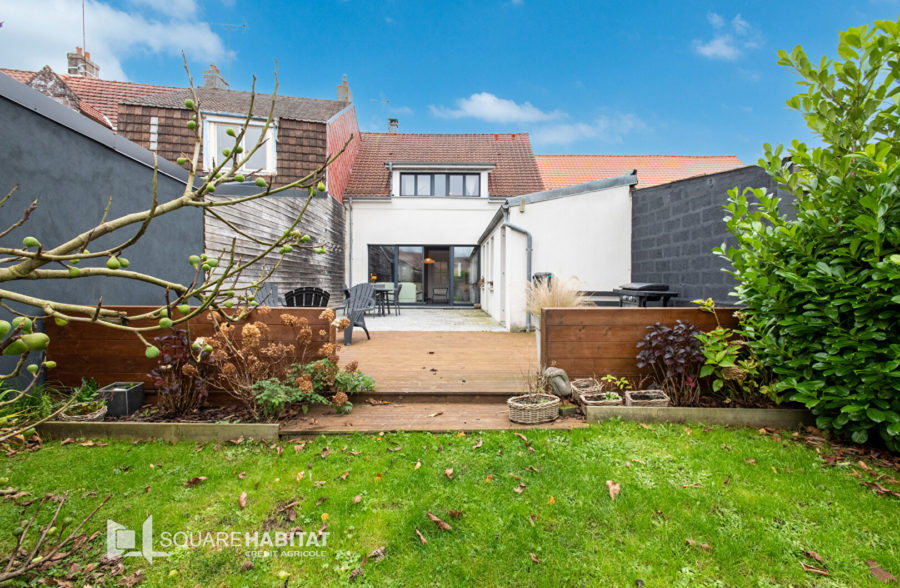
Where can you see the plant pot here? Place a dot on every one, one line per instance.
(567, 410)
(646, 398)
(600, 399)
(531, 409)
(84, 412)
(122, 398)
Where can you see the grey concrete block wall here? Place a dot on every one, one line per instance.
(675, 226)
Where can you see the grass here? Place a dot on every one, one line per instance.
(757, 525)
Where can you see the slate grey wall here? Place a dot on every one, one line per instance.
(675, 227)
(72, 165)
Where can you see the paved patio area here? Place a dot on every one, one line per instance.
(432, 319)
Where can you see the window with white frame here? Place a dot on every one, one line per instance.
(440, 184)
(217, 139)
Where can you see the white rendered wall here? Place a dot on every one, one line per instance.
(587, 236)
(412, 221)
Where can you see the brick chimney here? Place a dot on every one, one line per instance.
(80, 64)
(343, 92)
(213, 78)
(393, 125)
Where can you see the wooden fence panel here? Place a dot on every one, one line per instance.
(598, 341)
(110, 355)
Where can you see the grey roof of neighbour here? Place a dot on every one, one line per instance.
(236, 102)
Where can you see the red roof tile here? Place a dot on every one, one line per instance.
(558, 171)
(102, 96)
(515, 173)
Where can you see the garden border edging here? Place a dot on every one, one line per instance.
(778, 418)
(164, 431)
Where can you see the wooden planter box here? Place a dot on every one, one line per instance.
(597, 399)
(646, 398)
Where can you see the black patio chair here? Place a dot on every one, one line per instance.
(307, 297)
(360, 301)
(440, 295)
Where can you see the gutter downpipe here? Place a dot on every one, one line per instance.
(350, 244)
(528, 251)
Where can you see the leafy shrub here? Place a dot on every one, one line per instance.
(181, 375)
(822, 291)
(731, 365)
(673, 356)
(273, 396)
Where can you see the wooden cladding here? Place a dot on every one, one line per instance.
(111, 355)
(598, 341)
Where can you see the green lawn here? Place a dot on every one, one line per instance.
(757, 525)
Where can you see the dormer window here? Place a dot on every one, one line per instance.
(440, 184)
(216, 139)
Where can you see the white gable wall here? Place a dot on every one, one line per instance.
(587, 236)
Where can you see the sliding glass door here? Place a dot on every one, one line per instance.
(427, 274)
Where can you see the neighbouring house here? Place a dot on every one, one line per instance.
(559, 171)
(304, 133)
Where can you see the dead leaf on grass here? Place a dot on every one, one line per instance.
(520, 489)
(299, 447)
(377, 554)
(814, 555)
(421, 536)
(449, 473)
(727, 480)
(418, 464)
(345, 475)
(66, 441)
(357, 499)
(814, 570)
(535, 559)
(879, 573)
(533, 469)
(515, 477)
(394, 449)
(194, 481)
(552, 500)
(454, 514)
(441, 524)
(242, 500)
(325, 453)
(319, 483)
(321, 500)
(698, 545)
(613, 489)
(489, 478)
(522, 437)
(749, 460)
(247, 565)
(532, 518)
(478, 444)
(694, 485)
(237, 441)
(300, 475)
(242, 475)
(646, 426)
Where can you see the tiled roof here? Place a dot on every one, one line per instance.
(235, 102)
(98, 98)
(558, 171)
(515, 173)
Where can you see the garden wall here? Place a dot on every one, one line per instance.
(675, 227)
(598, 341)
(110, 355)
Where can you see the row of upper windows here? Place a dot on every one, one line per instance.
(440, 184)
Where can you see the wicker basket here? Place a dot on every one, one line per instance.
(92, 417)
(600, 399)
(646, 398)
(586, 386)
(533, 408)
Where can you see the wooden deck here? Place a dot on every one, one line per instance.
(445, 363)
(415, 414)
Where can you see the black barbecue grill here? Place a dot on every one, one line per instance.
(640, 293)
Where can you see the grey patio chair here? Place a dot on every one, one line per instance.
(361, 300)
(394, 299)
(267, 295)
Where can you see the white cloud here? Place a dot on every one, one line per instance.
(728, 42)
(604, 129)
(485, 106)
(401, 110)
(722, 47)
(715, 20)
(182, 8)
(41, 33)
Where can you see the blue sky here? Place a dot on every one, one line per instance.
(679, 77)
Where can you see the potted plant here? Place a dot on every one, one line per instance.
(88, 407)
(552, 292)
(604, 392)
(122, 398)
(537, 406)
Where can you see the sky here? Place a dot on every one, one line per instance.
(681, 77)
